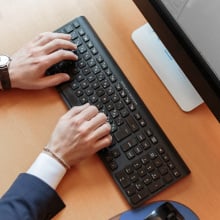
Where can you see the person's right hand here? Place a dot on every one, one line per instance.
(79, 133)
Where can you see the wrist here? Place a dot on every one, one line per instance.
(12, 75)
(56, 157)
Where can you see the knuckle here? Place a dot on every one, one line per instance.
(57, 43)
(76, 123)
(32, 51)
(62, 53)
(44, 35)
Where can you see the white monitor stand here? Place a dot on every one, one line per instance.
(166, 68)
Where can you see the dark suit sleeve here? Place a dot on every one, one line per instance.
(29, 198)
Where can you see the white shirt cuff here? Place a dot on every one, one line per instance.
(47, 169)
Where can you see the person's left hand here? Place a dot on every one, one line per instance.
(29, 64)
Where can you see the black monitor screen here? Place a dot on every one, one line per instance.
(190, 30)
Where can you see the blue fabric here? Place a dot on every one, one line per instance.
(29, 198)
(145, 211)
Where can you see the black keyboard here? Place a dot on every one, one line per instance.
(141, 159)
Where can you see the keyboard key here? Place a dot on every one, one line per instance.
(123, 179)
(122, 133)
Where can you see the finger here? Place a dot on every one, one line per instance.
(97, 121)
(59, 56)
(87, 114)
(76, 110)
(101, 131)
(52, 80)
(46, 37)
(103, 142)
(57, 44)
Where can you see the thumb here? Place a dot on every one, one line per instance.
(54, 80)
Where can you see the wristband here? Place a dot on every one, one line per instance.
(60, 160)
(4, 74)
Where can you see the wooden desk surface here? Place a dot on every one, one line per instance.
(28, 117)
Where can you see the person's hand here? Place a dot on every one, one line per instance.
(79, 133)
(29, 64)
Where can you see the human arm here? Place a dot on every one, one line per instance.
(79, 133)
(29, 64)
